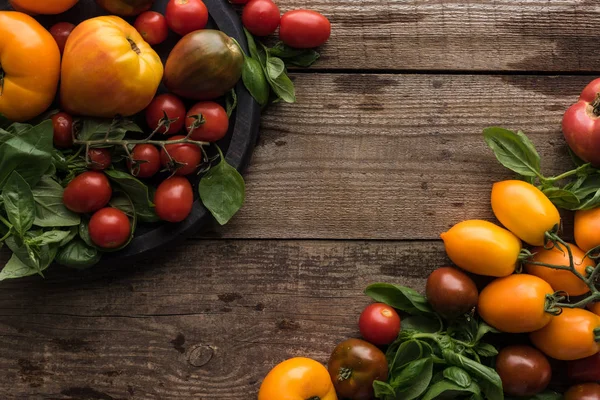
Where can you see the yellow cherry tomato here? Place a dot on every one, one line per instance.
(524, 210)
(587, 229)
(561, 280)
(297, 379)
(482, 248)
(570, 335)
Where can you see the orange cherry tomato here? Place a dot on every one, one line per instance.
(524, 210)
(587, 229)
(584, 391)
(43, 6)
(482, 248)
(594, 307)
(561, 280)
(297, 379)
(572, 335)
(516, 303)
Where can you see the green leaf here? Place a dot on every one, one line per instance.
(15, 268)
(575, 158)
(78, 255)
(4, 122)
(274, 69)
(50, 237)
(255, 81)
(445, 386)
(299, 57)
(18, 203)
(458, 376)
(406, 353)
(419, 383)
(384, 390)
(137, 191)
(407, 375)
(23, 251)
(50, 210)
(420, 323)
(231, 101)
(562, 198)
(251, 44)
(487, 374)
(73, 232)
(17, 129)
(483, 330)
(513, 150)
(84, 232)
(399, 297)
(115, 129)
(486, 350)
(223, 191)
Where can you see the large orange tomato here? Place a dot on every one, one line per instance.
(108, 69)
(29, 66)
(126, 8)
(587, 229)
(43, 6)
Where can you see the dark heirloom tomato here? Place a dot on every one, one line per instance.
(379, 324)
(584, 391)
(354, 366)
(451, 292)
(524, 371)
(109, 228)
(63, 130)
(174, 199)
(585, 369)
(87, 192)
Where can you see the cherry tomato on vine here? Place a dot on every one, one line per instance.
(61, 32)
(584, 391)
(587, 229)
(185, 156)
(99, 159)
(379, 324)
(572, 335)
(152, 26)
(261, 17)
(304, 29)
(216, 121)
(581, 125)
(148, 161)
(482, 248)
(185, 16)
(451, 292)
(585, 369)
(109, 228)
(516, 303)
(87, 192)
(63, 130)
(524, 210)
(170, 104)
(524, 370)
(174, 199)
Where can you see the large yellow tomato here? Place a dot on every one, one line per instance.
(29, 66)
(43, 6)
(297, 379)
(108, 69)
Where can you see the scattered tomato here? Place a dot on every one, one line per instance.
(451, 292)
(185, 16)
(61, 32)
(63, 130)
(186, 157)
(585, 369)
(216, 121)
(99, 159)
(148, 161)
(581, 125)
(174, 199)
(152, 26)
(304, 29)
(109, 228)
(87, 192)
(587, 229)
(524, 370)
(261, 17)
(379, 324)
(173, 107)
(584, 391)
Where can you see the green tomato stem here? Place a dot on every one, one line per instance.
(566, 174)
(5, 222)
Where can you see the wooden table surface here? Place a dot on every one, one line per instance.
(351, 185)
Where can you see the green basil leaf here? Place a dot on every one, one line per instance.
(491, 390)
(421, 323)
(275, 67)
(222, 191)
(562, 198)
(23, 251)
(84, 232)
(406, 376)
(450, 389)
(458, 376)
(78, 255)
(15, 268)
(98, 129)
(494, 390)
(384, 391)
(50, 210)
(255, 81)
(51, 237)
(280, 82)
(17, 129)
(137, 191)
(231, 102)
(486, 350)
(18, 203)
(513, 150)
(399, 297)
(590, 202)
(419, 382)
(73, 232)
(483, 330)
(251, 44)
(299, 57)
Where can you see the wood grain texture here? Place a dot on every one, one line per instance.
(203, 321)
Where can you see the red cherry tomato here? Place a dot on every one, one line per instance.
(87, 192)
(170, 104)
(109, 228)
(304, 29)
(585, 369)
(185, 16)
(148, 160)
(174, 199)
(216, 121)
(99, 159)
(152, 26)
(188, 156)
(61, 33)
(261, 17)
(63, 130)
(379, 324)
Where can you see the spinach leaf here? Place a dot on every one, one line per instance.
(255, 81)
(18, 203)
(458, 376)
(15, 268)
(78, 255)
(420, 382)
(399, 297)
(137, 191)
(384, 390)
(98, 129)
(514, 150)
(448, 386)
(298, 57)
(50, 210)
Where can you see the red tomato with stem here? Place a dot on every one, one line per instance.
(63, 130)
(304, 29)
(174, 199)
(379, 324)
(261, 17)
(109, 228)
(185, 16)
(152, 26)
(581, 124)
(185, 157)
(61, 32)
(215, 125)
(99, 159)
(87, 192)
(173, 107)
(147, 161)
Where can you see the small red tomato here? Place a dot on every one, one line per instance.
(585, 369)
(87, 192)
(185, 16)
(63, 130)
(61, 32)
(170, 104)
(584, 391)
(147, 159)
(109, 228)
(186, 157)
(152, 26)
(379, 324)
(304, 29)
(174, 199)
(261, 17)
(216, 121)
(99, 159)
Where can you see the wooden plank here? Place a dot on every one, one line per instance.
(204, 321)
(530, 35)
(392, 156)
